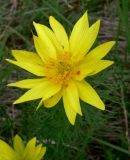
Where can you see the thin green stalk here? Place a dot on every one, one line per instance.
(112, 146)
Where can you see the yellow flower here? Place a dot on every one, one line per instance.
(20, 151)
(63, 63)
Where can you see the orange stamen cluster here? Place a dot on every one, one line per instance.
(60, 71)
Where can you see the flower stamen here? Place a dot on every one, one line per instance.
(59, 71)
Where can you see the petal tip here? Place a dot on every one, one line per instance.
(15, 102)
(34, 23)
(98, 22)
(37, 108)
(72, 123)
(17, 136)
(112, 62)
(102, 107)
(113, 43)
(8, 60)
(81, 113)
(85, 13)
(51, 19)
(9, 84)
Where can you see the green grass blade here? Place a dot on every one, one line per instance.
(112, 146)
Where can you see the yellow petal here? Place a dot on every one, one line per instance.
(32, 94)
(83, 69)
(6, 152)
(79, 31)
(71, 94)
(89, 68)
(60, 33)
(30, 67)
(44, 90)
(86, 42)
(99, 66)
(100, 51)
(37, 152)
(52, 101)
(30, 148)
(28, 83)
(53, 39)
(41, 154)
(71, 114)
(39, 104)
(18, 145)
(47, 45)
(28, 57)
(89, 95)
(39, 48)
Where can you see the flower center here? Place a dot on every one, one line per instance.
(59, 71)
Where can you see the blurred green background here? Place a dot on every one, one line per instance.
(97, 135)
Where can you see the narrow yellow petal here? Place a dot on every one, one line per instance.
(53, 38)
(84, 69)
(25, 56)
(39, 104)
(28, 83)
(6, 152)
(37, 152)
(86, 42)
(100, 51)
(30, 67)
(88, 68)
(79, 31)
(71, 114)
(18, 145)
(99, 66)
(44, 90)
(47, 45)
(71, 94)
(32, 94)
(60, 33)
(30, 148)
(52, 101)
(89, 95)
(39, 48)
(41, 154)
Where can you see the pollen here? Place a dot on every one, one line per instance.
(59, 71)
